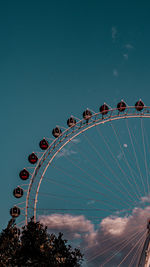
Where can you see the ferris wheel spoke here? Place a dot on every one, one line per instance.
(67, 198)
(115, 159)
(20, 223)
(132, 199)
(100, 172)
(95, 180)
(135, 155)
(125, 244)
(119, 244)
(145, 158)
(109, 238)
(125, 160)
(137, 243)
(140, 153)
(141, 249)
(137, 252)
(91, 188)
(148, 145)
(74, 209)
(78, 193)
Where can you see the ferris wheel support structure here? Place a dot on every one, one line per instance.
(145, 255)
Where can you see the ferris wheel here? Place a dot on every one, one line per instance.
(92, 183)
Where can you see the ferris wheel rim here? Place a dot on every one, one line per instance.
(79, 131)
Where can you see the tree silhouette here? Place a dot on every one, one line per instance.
(36, 247)
(9, 244)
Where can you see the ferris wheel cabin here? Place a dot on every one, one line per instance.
(56, 132)
(15, 212)
(121, 106)
(18, 192)
(71, 122)
(139, 105)
(24, 174)
(87, 114)
(104, 109)
(32, 158)
(43, 144)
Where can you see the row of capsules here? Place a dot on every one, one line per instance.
(24, 174)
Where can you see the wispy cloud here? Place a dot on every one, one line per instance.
(66, 152)
(125, 56)
(90, 202)
(75, 140)
(114, 33)
(115, 73)
(145, 199)
(129, 46)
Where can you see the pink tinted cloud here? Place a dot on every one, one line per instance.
(74, 226)
(99, 244)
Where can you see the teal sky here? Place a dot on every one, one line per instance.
(58, 58)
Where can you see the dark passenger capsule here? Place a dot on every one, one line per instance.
(43, 144)
(71, 122)
(121, 106)
(87, 114)
(139, 105)
(18, 192)
(104, 109)
(15, 212)
(32, 158)
(24, 174)
(56, 132)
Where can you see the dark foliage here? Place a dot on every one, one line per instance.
(35, 247)
(9, 244)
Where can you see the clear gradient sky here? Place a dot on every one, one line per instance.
(58, 58)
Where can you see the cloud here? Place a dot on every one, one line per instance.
(125, 56)
(129, 46)
(145, 199)
(91, 202)
(114, 226)
(118, 230)
(101, 243)
(65, 152)
(115, 73)
(73, 226)
(114, 33)
(75, 140)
